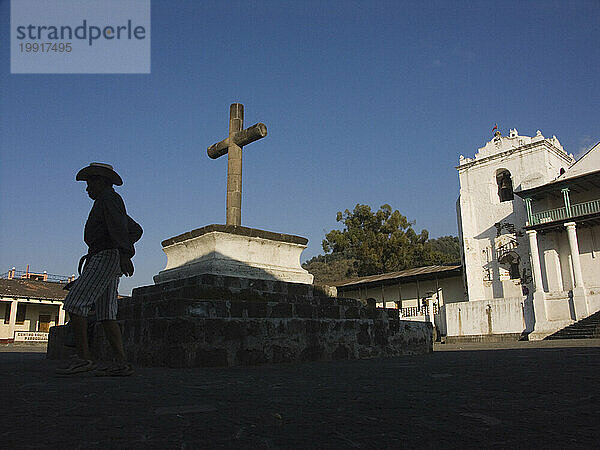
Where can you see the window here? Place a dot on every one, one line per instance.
(514, 271)
(7, 313)
(510, 263)
(21, 310)
(505, 186)
(44, 322)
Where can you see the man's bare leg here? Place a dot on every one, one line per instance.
(113, 334)
(80, 332)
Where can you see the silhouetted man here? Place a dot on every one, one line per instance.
(110, 249)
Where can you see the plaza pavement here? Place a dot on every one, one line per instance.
(533, 395)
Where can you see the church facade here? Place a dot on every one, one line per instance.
(524, 272)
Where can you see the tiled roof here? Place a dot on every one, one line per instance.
(582, 176)
(588, 163)
(45, 290)
(426, 272)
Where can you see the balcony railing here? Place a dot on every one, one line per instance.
(415, 311)
(505, 249)
(581, 209)
(577, 209)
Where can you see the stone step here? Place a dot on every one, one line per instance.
(214, 320)
(581, 326)
(220, 287)
(329, 308)
(587, 328)
(226, 294)
(200, 342)
(578, 328)
(489, 338)
(586, 323)
(594, 333)
(573, 336)
(203, 342)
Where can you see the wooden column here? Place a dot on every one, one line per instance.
(12, 319)
(574, 247)
(61, 315)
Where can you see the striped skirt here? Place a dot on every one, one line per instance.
(97, 286)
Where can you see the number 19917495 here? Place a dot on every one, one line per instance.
(45, 47)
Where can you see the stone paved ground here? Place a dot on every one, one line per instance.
(537, 395)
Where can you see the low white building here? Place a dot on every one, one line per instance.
(420, 293)
(29, 308)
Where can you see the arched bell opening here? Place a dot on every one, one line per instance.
(505, 185)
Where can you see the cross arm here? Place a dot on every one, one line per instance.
(241, 138)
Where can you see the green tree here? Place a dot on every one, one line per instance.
(448, 245)
(330, 268)
(382, 241)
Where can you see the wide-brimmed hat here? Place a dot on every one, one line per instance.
(99, 170)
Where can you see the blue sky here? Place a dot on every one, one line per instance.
(365, 102)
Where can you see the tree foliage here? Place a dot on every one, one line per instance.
(330, 268)
(448, 245)
(384, 241)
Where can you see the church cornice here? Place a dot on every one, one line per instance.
(523, 148)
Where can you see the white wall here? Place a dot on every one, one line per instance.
(588, 240)
(494, 316)
(593, 299)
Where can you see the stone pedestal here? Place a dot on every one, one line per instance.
(580, 305)
(234, 251)
(216, 320)
(551, 314)
(539, 307)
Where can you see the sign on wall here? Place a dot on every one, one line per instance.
(31, 336)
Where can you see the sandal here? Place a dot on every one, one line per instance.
(78, 365)
(124, 370)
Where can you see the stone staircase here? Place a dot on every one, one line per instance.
(215, 320)
(588, 328)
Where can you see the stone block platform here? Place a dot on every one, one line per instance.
(234, 251)
(213, 320)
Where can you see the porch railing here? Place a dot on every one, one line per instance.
(414, 311)
(506, 248)
(581, 209)
(577, 209)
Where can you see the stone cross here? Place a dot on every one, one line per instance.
(232, 145)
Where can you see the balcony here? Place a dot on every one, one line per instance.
(575, 210)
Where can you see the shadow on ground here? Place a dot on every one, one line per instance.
(507, 398)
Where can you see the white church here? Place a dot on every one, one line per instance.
(529, 222)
